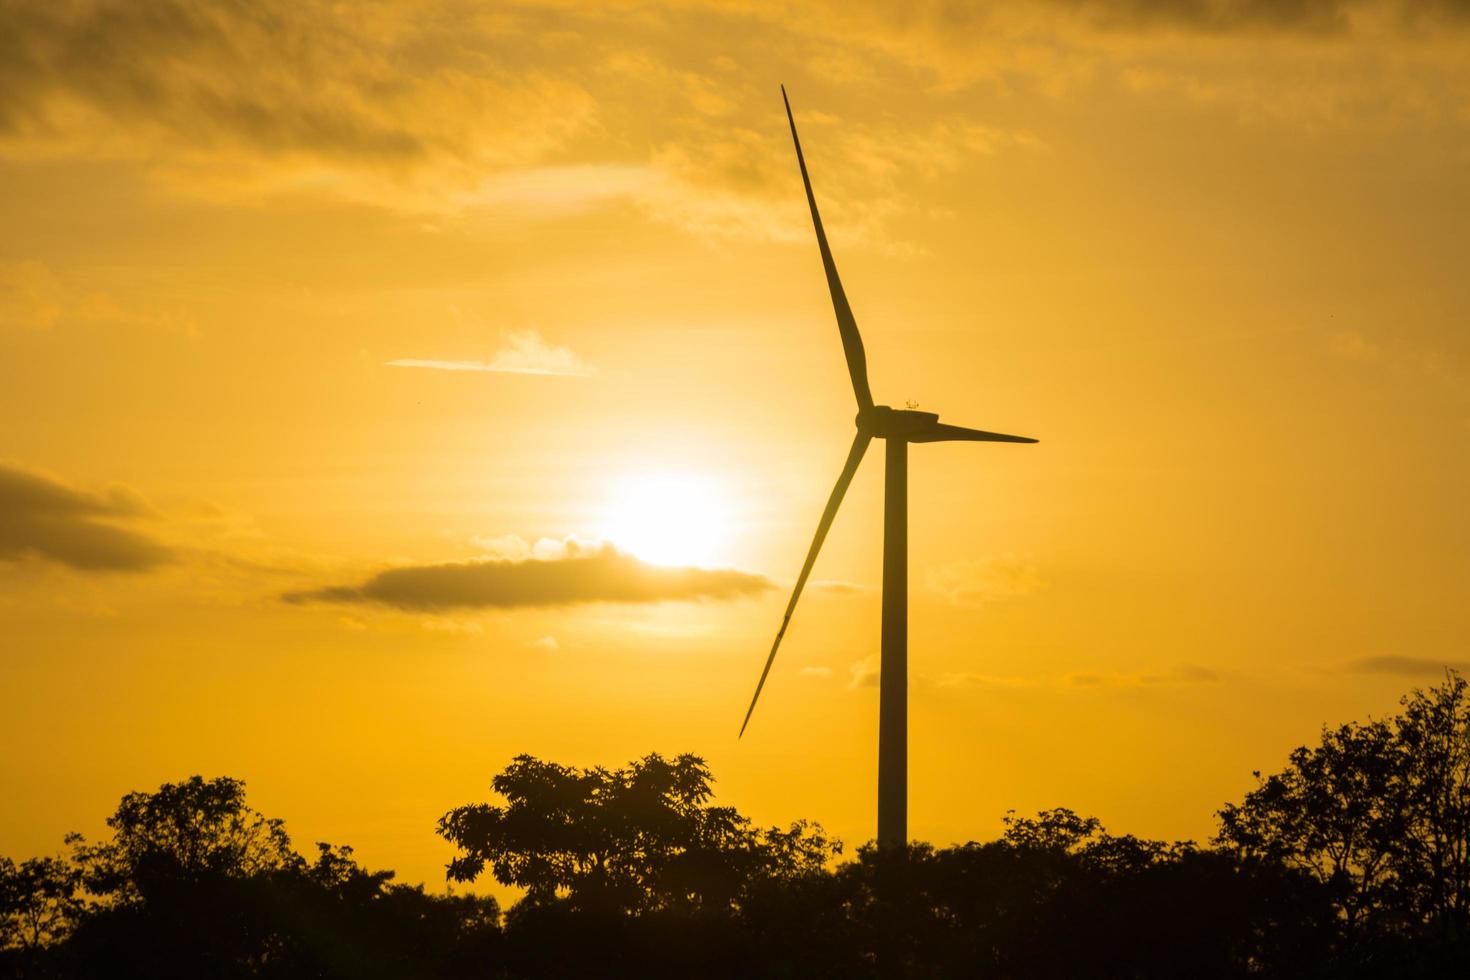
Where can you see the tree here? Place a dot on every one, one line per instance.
(184, 832)
(1434, 735)
(194, 883)
(1379, 813)
(39, 902)
(1336, 812)
(636, 839)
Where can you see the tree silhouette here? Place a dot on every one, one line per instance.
(195, 883)
(1379, 814)
(1351, 862)
(39, 903)
(182, 832)
(636, 839)
(1434, 739)
(1336, 812)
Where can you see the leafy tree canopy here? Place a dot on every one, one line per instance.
(182, 831)
(1379, 812)
(637, 838)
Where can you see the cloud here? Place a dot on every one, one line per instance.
(553, 191)
(434, 109)
(43, 518)
(864, 673)
(30, 295)
(1354, 64)
(1185, 674)
(972, 582)
(734, 181)
(835, 586)
(1350, 345)
(974, 679)
(279, 95)
(524, 353)
(1216, 16)
(546, 643)
(819, 672)
(581, 575)
(547, 108)
(867, 673)
(513, 547)
(1405, 360)
(447, 624)
(1405, 666)
(34, 297)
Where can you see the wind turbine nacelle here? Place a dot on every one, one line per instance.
(884, 422)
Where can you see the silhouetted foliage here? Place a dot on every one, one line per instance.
(195, 883)
(1353, 861)
(39, 905)
(637, 839)
(1379, 815)
(184, 833)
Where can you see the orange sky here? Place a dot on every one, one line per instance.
(1210, 253)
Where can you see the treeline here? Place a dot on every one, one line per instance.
(1354, 861)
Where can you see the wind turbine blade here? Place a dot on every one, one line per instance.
(854, 457)
(852, 342)
(939, 432)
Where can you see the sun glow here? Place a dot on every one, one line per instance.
(668, 519)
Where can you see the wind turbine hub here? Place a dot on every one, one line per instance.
(886, 422)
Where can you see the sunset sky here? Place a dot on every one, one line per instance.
(309, 310)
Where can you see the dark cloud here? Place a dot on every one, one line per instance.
(1302, 17)
(254, 71)
(412, 106)
(582, 575)
(43, 518)
(840, 587)
(1218, 16)
(1405, 666)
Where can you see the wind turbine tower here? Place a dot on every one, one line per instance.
(898, 428)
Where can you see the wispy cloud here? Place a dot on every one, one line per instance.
(525, 353)
(1185, 674)
(41, 517)
(839, 586)
(1407, 360)
(450, 625)
(441, 113)
(1350, 345)
(34, 297)
(865, 673)
(228, 97)
(578, 575)
(1405, 666)
(975, 581)
(513, 547)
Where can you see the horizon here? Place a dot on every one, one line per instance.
(388, 395)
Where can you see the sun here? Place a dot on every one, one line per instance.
(668, 518)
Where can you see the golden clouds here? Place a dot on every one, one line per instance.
(525, 353)
(243, 99)
(980, 580)
(580, 575)
(440, 109)
(43, 518)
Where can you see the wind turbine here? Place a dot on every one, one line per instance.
(898, 427)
